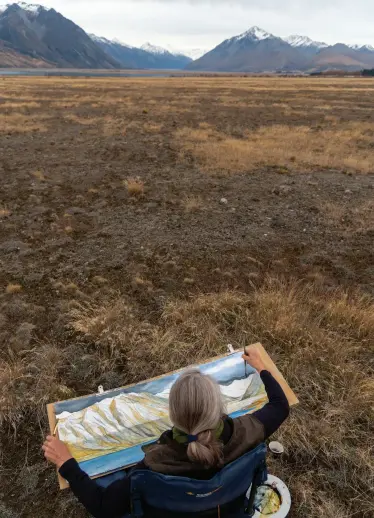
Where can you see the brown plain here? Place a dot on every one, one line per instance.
(120, 261)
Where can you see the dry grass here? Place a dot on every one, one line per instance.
(28, 383)
(4, 213)
(84, 121)
(39, 175)
(347, 147)
(13, 288)
(25, 105)
(20, 123)
(193, 203)
(135, 187)
(150, 127)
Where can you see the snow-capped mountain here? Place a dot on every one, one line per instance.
(257, 50)
(193, 53)
(254, 50)
(30, 8)
(369, 48)
(254, 33)
(296, 40)
(190, 53)
(115, 41)
(45, 36)
(169, 49)
(148, 56)
(154, 49)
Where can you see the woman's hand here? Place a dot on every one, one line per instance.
(56, 451)
(253, 358)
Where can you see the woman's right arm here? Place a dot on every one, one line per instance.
(276, 411)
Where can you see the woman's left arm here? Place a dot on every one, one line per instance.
(110, 502)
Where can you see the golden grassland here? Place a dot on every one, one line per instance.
(104, 177)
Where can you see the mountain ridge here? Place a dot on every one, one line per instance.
(256, 51)
(147, 56)
(46, 35)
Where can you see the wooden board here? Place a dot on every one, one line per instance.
(269, 364)
(273, 369)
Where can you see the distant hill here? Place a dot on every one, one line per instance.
(171, 59)
(41, 35)
(148, 56)
(259, 51)
(344, 57)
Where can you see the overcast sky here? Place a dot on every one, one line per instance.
(187, 24)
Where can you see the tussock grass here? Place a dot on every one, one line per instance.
(347, 147)
(4, 213)
(193, 203)
(151, 127)
(135, 186)
(21, 123)
(13, 288)
(19, 105)
(28, 383)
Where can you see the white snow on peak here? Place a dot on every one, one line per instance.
(153, 49)
(30, 8)
(115, 41)
(194, 53)
(190, 53)
(362, 47)
(303, 41)
(98, 38)
(254, 33)
(120, 42)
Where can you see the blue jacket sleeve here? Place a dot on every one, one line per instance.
(276, 411)
(110, 502)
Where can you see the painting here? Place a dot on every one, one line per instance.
(106, 432)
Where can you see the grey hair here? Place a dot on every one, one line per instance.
(196, 408)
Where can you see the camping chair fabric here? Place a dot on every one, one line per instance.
(182, 495)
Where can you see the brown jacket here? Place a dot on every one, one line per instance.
(170, 458)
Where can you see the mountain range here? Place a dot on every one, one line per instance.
(35, 36)
(147, 56)
(259, 51)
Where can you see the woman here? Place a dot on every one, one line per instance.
(202, 441)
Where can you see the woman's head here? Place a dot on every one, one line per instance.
(196, 408)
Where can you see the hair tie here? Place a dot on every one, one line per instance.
(192, 438)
